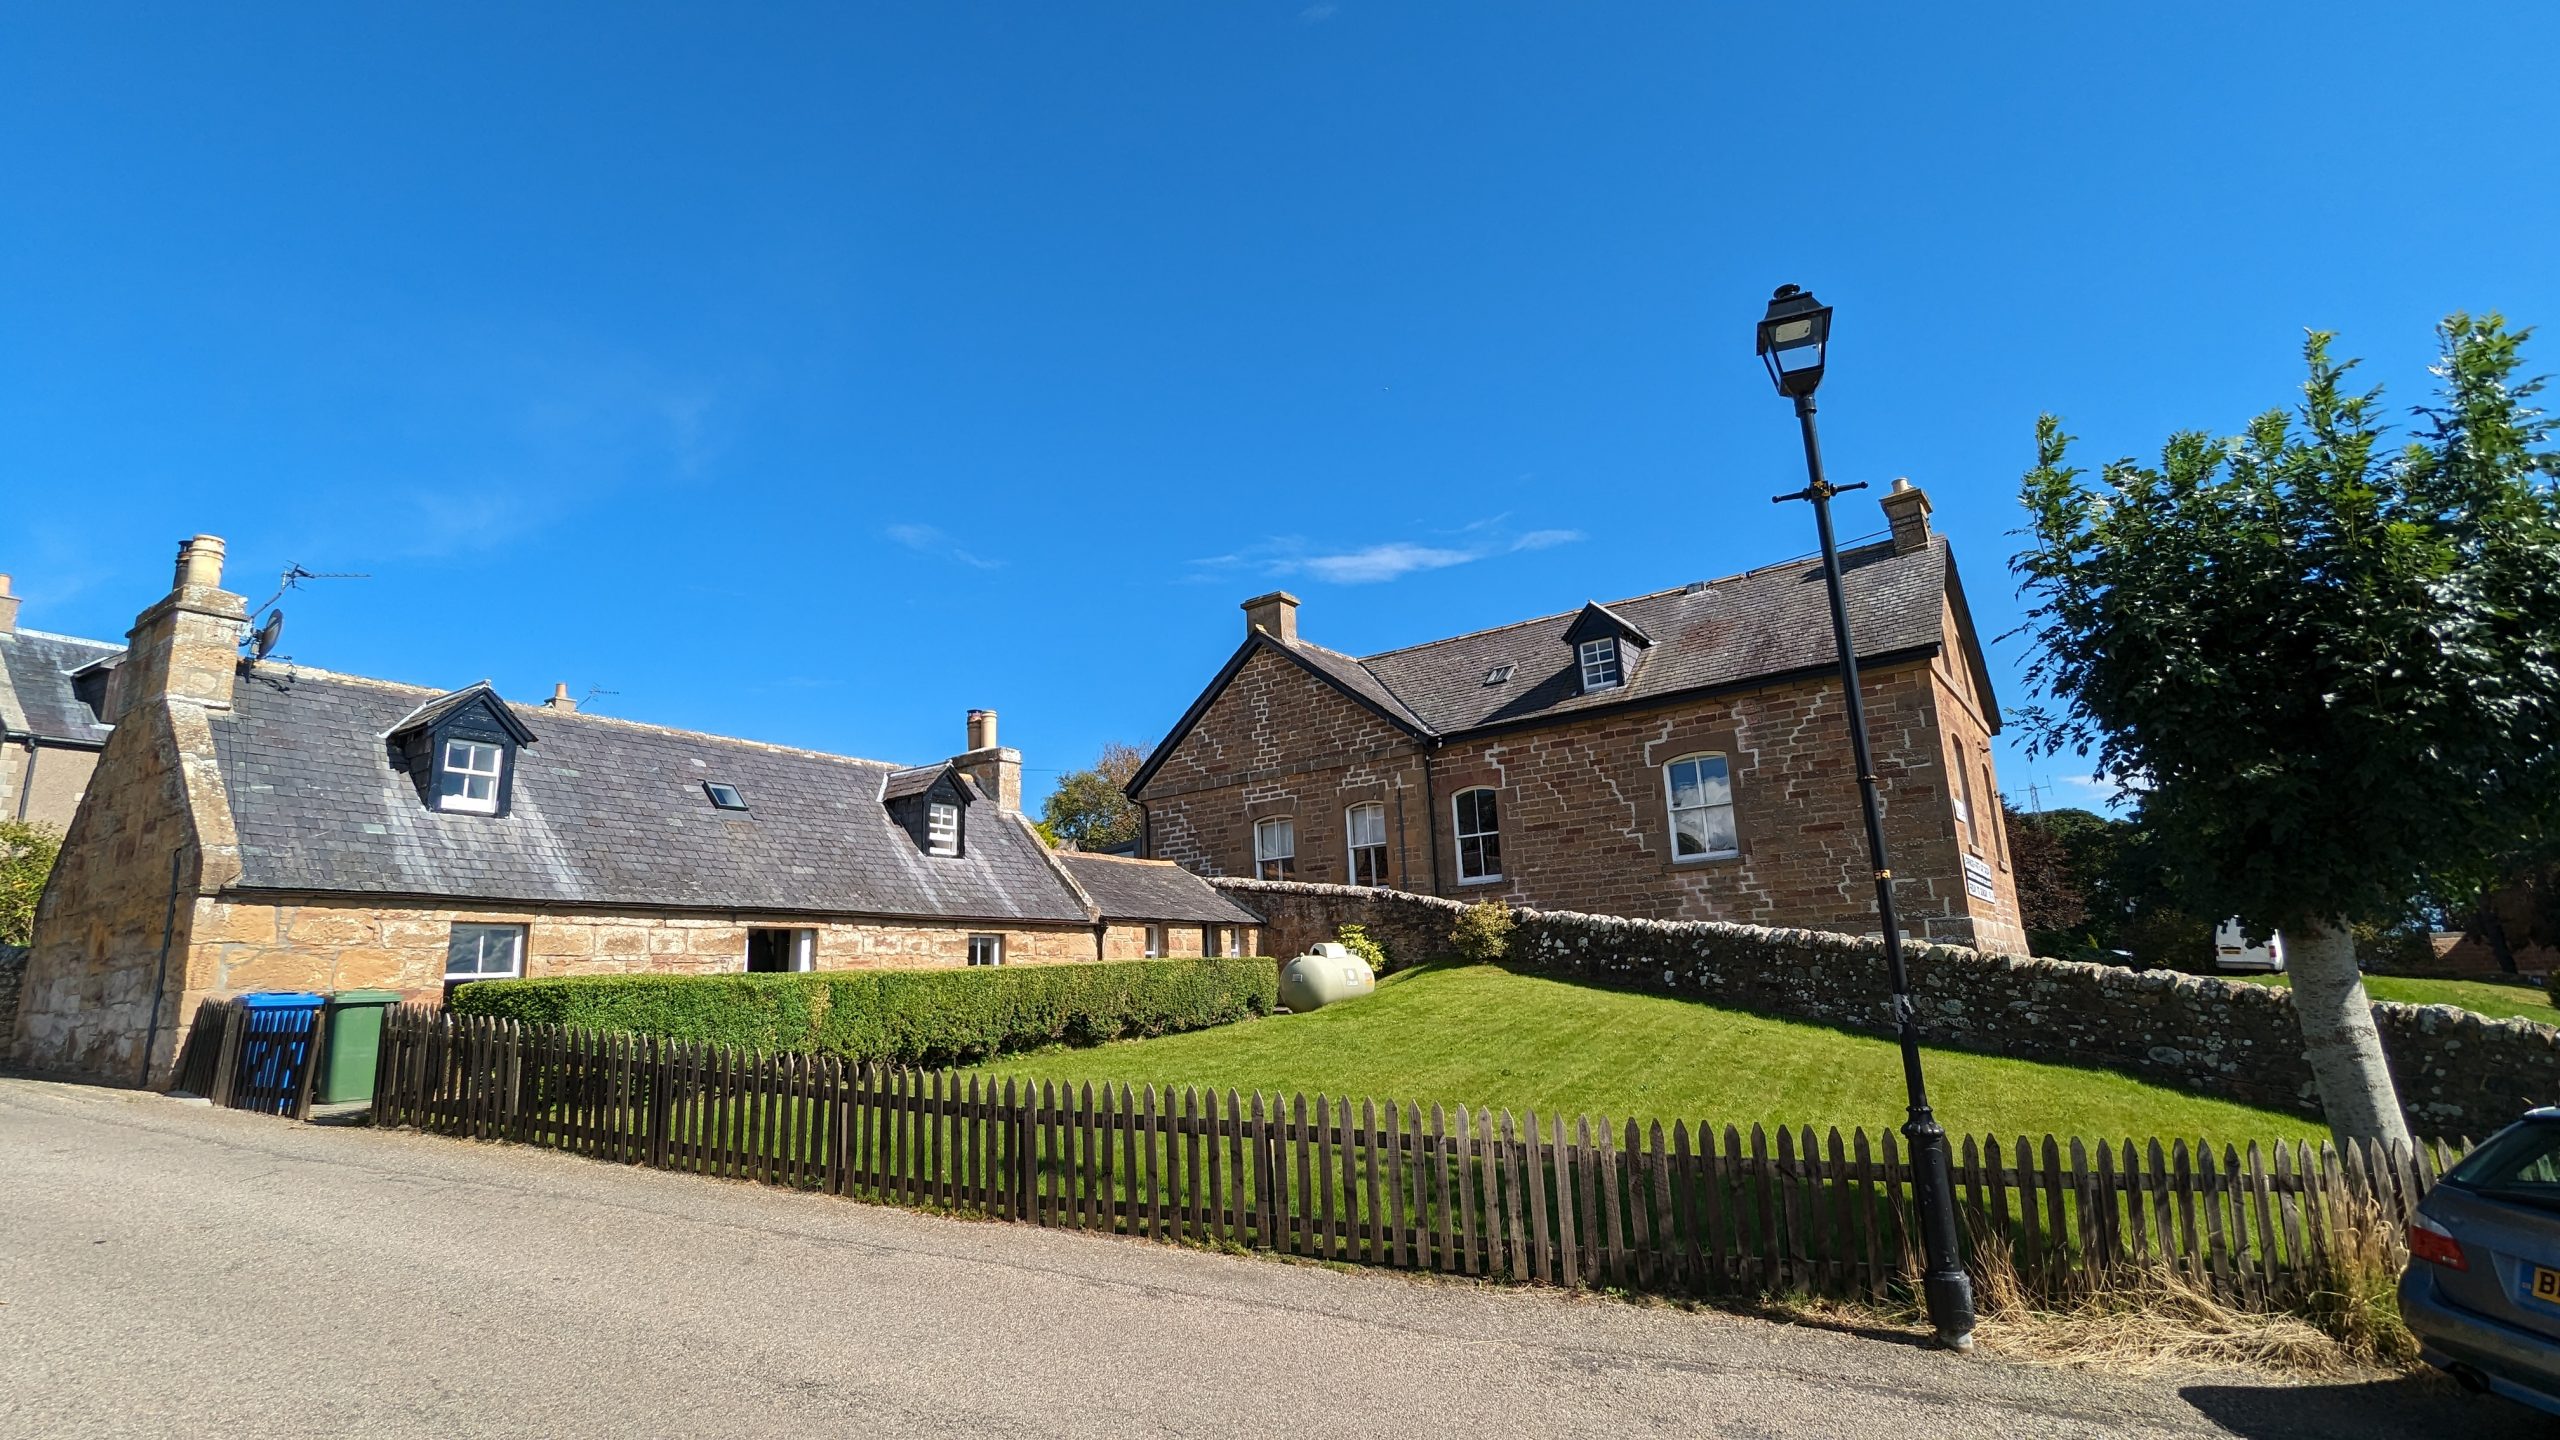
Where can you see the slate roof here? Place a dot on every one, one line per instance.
(35, 686)
(1157, 890)
(604, 812)
(1764, 622)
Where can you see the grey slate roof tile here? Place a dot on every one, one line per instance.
(605, 812)
(1158, 890)
(1764, 622)
(36, 695)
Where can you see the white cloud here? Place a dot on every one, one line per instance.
(1318, 13)
(1382, 562)
(926, 540)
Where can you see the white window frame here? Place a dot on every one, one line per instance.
(1672, 810)
(1234, 947)
(941, 828)
(989, 946)
(1458, 828)
(1157, 938)
(484, 931)
(1270, 864)
(804, 949)
(1602, 668)
(463, 801)
(1352, 844)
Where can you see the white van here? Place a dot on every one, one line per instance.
(2232, 950)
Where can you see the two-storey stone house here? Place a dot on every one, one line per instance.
(1678, 755)
(53, 700)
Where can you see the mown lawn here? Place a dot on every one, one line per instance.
(2496, 1000)
(1482, 1035)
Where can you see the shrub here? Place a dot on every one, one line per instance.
(897, 1017)
(1355, 938)
(1482, 932)
(27, 852)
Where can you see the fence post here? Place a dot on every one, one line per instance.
(661, 1103)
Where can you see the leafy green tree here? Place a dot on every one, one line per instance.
(1090, 809)
(2324, 671)
(27, 853)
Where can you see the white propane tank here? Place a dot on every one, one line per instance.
(1328, 973)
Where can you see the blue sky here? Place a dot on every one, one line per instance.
(815, 373)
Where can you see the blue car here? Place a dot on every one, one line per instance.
(2482, 1292)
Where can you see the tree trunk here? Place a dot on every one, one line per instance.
(2339, 1040)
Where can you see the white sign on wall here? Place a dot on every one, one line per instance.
(1977, 880)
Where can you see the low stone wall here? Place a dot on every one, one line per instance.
(13, 974)
(1411, 928)
(2459, 1074)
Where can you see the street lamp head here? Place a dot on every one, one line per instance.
(1792, 337)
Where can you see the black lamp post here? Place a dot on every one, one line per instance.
(1793, 336)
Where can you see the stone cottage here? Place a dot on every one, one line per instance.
(259, 826)
(53, 707)
(1679, 755)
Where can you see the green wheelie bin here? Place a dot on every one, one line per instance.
(352, 1037)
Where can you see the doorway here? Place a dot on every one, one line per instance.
(780, 952)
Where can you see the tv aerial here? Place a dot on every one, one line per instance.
(263, 642)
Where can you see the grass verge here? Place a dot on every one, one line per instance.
(1484, 1035)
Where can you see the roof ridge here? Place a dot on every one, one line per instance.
(58, 635)
(550, 716)
(1611, 605)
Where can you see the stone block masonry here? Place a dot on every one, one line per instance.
(2459, 1074)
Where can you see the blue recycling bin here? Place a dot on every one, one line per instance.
(275, 1049)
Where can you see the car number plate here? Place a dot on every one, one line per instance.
(2546, 1284)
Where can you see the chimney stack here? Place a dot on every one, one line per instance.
(1906, 506)
(8, 609)
(560, 698)
(997, 770)
(1275, 615)
(186, 647)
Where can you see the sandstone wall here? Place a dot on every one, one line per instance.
(1584, 818)
(2459, 1074)
(329, 944)
(13, 971)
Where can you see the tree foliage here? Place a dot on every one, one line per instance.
(2323, 669)
(27, 852)
(1090, 809)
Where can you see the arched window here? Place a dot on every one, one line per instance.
(1479, 836)
(1275, 848)
(1364, 830)
(1699, 791)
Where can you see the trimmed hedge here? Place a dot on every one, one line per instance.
(898, 1017)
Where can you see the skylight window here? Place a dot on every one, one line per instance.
(1497, 674)
(724, 796)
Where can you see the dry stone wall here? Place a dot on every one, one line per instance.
(2459, 1074)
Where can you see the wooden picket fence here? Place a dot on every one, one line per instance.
(1553, 1200)
(244, 1059)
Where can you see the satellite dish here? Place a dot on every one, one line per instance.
(268, 635)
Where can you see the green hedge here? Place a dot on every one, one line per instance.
(898, 1017)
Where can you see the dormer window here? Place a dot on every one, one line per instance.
(1600, 664)
(725, 797)
(1601, 639)
(459, 749)
(467, 777)
(942, 829)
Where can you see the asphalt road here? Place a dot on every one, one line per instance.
(168, 1269)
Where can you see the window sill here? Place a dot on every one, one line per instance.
(1482, 880)
(1724, 857)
